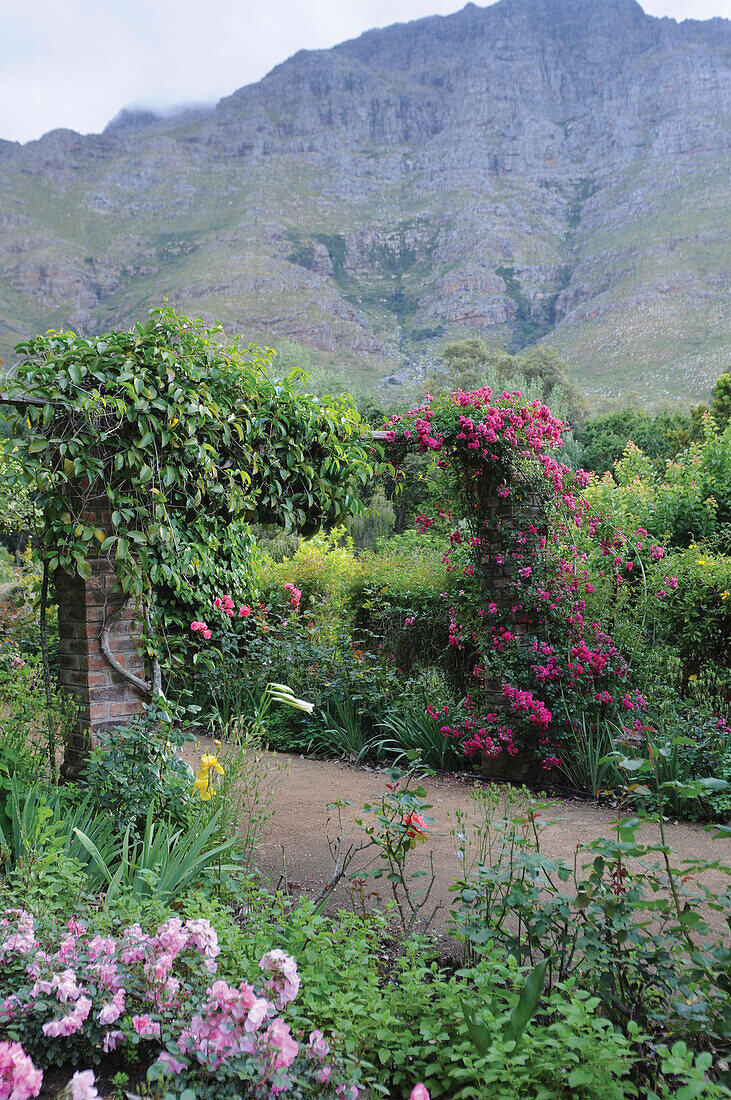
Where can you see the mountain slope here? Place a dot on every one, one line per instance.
(538, 169)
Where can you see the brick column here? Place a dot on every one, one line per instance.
(505, 517)
(104, 698)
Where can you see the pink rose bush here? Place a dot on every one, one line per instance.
(92, 994)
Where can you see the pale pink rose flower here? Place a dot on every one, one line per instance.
(174, 1064)
(318, 1047)
(278, 1036)
(146, 1027)
(112, 1040)
(81, 1085)
(112, 1011)
(19, 1078)
(285, 980)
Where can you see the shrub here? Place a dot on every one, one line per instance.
(136, 770)
(73, 994)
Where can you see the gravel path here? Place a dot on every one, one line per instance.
(293, 846)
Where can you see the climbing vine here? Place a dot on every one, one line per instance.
(177, 442)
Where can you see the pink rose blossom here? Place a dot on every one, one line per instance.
(173, 1064)
(69, 1025)
(278, 1036)
(112, 1011)
(146, 1027)
(81, 1086)
(112, 1040)
(285, 981)
(19, 1078)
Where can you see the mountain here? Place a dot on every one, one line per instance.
(538, 170)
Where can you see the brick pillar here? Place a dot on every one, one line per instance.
(105, 699)
(505, 517)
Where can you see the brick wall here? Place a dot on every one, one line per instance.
(104, 698)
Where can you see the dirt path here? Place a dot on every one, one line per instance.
(294, 842)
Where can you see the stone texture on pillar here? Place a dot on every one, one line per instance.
(104, 698)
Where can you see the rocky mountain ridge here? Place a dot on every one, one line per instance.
(537, 169)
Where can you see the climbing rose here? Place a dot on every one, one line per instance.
(419, 1092)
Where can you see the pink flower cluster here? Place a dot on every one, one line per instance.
(295, 595)
(284, 982)
(19, 1078)
(225, 604)
(201, 628)
(523, 701)
(540, 594)
(87, 973)
(23, 939)
(81, 1086)
(130, 981)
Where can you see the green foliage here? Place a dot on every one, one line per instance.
(688, 502)
(604, 438)
(471, 363)
(650, 958)
(166, 862)
(136, 770)
(721, 403)
(45, 864)
(18, 511)
(695, 616)
(26, 720)
(585, 752)
(247, 790)
(340, 731)
(178, 438)
(410, 729)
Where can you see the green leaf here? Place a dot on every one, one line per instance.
(527, 1005)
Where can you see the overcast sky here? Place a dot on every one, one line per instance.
(75, 63)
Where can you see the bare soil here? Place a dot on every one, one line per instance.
(293, 849)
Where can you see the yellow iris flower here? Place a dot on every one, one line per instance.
(203, 785)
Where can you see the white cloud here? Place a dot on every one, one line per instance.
(76, 64)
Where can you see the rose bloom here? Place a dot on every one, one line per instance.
(416, 826)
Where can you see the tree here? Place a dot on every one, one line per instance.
(604, 438)
(470, 363)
